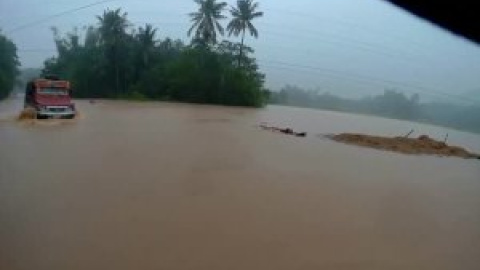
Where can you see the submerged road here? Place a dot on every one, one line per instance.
(149, 186)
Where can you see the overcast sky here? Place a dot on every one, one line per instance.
(347, 47)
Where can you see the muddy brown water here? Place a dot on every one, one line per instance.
(174, 186)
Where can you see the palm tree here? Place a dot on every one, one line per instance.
(143, 49)
(206, 20)
(113, 26)
(243, 14)
(147, 42)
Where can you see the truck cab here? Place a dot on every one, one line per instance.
(50, 98)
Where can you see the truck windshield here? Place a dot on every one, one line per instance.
(52, 91)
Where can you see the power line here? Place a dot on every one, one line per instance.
(42, 20)
(367, 29)
(334, 42)
(349, 76)
(351, 45)
(332, 39)
(36, 50)
(349, 24)
(352, 42)
(322, 84)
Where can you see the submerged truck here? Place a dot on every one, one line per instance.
(50, 97)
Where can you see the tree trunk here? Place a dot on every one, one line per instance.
(241, 49)
(117, 72)
(117, 78)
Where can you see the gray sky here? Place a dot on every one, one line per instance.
(347, 47)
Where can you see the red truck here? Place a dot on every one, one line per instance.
(50, 98)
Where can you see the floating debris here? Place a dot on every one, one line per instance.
(287, 130)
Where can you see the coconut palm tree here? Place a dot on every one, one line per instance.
(147, 42)
(206, 20)
(243, 14)
(113, 26)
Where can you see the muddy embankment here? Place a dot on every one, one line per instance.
(422, 145)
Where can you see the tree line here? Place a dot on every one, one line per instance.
(8, 65)
(112, 60)
(390, 104)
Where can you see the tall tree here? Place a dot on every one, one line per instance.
(146, 41)
(8, 65)
(242, 16)
(113, 27)
(206, 21)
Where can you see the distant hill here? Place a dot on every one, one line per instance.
(473, 95)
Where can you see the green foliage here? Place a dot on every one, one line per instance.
(395, 104)
(242, 16)
(114, 61)
(8, 66)
(203, 76)
(206, 21)
(391, 103)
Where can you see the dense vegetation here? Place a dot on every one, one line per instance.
(390, 104)
(8, 65)
(112, 60)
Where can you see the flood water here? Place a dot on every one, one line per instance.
(149, 186)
